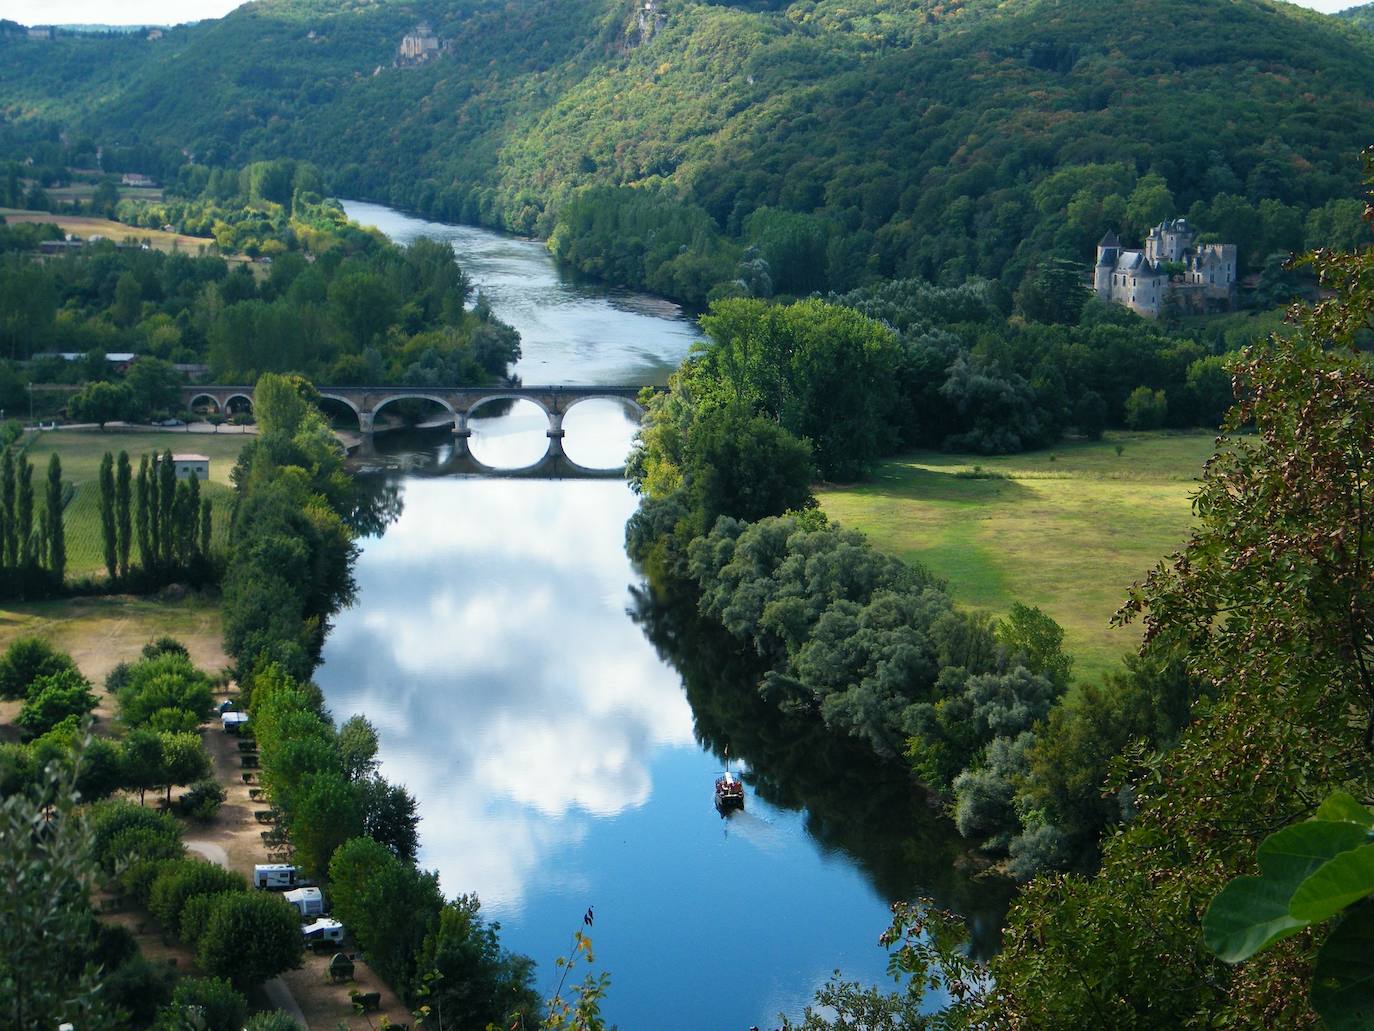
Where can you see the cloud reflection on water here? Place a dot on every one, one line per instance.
(509, 705)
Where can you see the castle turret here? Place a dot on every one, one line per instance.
(1108, 250)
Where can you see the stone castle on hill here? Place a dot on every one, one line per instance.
(418, 46)
(1171, 273)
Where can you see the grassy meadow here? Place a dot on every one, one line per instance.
(80, 453)
(86, 226)
(1066, 529)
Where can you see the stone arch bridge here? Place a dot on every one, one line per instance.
(459, 403)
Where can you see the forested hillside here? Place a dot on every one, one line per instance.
(845, 141)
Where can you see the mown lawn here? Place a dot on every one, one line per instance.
(81, 452)
(1066, 529)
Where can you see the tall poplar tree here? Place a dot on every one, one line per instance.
(154, 514)
(10, 542)
(26, 542)
(205, 528)
(147, 553)
(107, 515)
(122, 515)
(166, 507)
(57, 537)
(191, 518)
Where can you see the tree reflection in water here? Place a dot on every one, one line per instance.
(872, 812)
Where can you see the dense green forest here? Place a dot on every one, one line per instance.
(837, 143)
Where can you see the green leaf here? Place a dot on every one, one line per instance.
(1343, 807)
(1251, 913)
(1343, 981)
(1345, 879)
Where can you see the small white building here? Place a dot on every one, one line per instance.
(308, 901)
(187, 464)
(233, 721)
(274, 875)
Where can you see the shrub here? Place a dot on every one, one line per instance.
(118, 678)
(274, 1021)
(203, 800)
(250, 937)
(195, 917)
(166, 681)
(183, 880)
(26, 659)
(165, 646)
(53, 698)
(139, 988)
(220, 1007)
(111, 819)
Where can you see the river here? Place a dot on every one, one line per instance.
(562, 733)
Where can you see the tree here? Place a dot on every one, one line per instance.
(203, 1003)
(1039, 641)
(166, 508)
(147, 551)
(57, 538)
(25, 661)
(9, 553)
(1090, 415)
(142, 760)
(183, 880)
(250, 937)
(206, 528)
(746, 467)
(27, 549)
(154, 386)
(1146, 409)
(390, 817)
(122, 514)
(100, 402)
(326, 813)
(48, 868)
(52, 699)
(358, 746)
(470, 981)
(184, 760)
(128, 301)
(107, 516)
(387, 905)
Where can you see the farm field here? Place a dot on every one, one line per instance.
(1067, 529)
(80, 453)
(86, 226)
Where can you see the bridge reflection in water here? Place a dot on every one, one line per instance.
(460, 403)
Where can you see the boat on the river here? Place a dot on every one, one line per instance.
(729, 789)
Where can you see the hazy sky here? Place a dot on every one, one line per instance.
(161, 12)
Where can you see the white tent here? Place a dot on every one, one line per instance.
(309, 901)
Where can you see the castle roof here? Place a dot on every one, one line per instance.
(1110, 240)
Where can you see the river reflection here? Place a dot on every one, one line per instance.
(558, 763)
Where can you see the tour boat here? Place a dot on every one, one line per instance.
(729, 789)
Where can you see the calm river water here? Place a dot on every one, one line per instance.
(562, 733)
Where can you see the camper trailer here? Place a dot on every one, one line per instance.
(233, 721)
(274, 875)
(308, 901)
(323, 930)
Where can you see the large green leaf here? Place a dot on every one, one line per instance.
(1344, 880)
(1344, 807)
(1251, 913)
(1343, 981)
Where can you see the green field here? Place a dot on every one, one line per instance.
(1067, 530)
(80, 453)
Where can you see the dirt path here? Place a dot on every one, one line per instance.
(234, 840)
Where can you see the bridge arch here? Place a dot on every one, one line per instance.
(245, 406)
(500, 395)
(418, 395)
(628, 403)
(202, 396)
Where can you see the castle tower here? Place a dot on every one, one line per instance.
(1108, 250)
